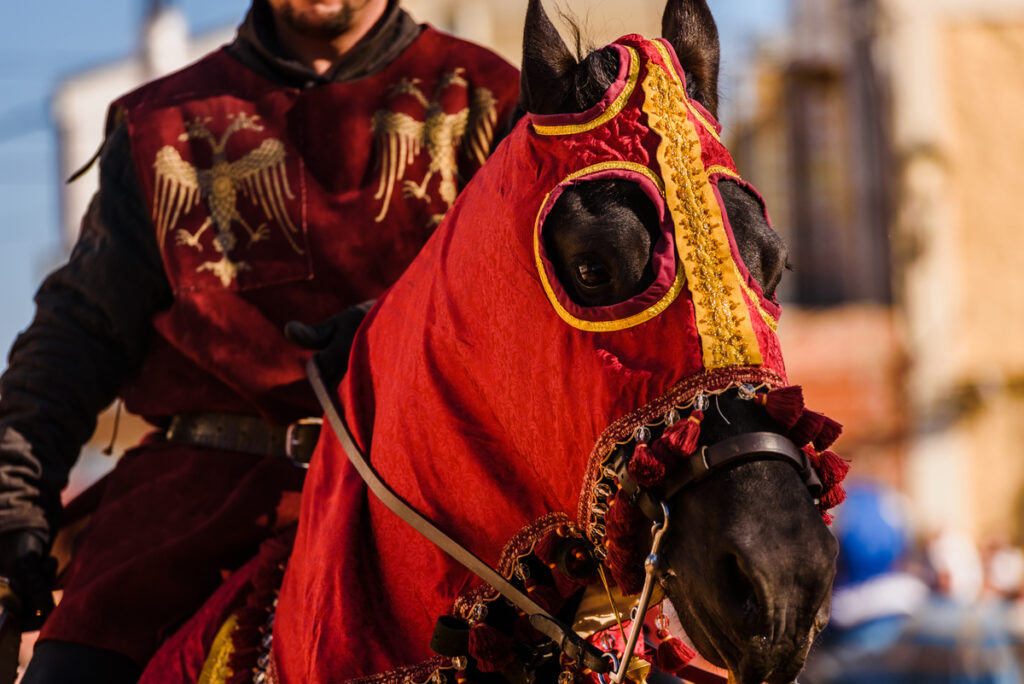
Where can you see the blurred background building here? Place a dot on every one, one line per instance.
(885, 137)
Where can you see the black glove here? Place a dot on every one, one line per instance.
(27, 574)
(331, 339)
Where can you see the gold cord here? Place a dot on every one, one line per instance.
(611, 601)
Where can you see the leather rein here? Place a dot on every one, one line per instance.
(727, 453)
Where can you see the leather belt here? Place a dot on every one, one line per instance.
(247, 434)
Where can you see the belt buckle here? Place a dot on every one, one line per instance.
(290, 441)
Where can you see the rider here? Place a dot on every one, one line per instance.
(289, 175)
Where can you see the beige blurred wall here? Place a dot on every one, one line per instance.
(983, 64)
(498, 24)
(957, 143)
(948, 353)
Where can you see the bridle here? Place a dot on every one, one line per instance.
(727, 453)
(706, 460)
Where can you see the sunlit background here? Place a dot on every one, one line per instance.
(885, 135)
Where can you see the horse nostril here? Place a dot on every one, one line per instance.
(741, 592)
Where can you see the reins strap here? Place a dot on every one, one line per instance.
(570, 642)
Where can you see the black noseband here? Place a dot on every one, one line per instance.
(731, 452)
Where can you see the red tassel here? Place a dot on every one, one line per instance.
(829, 433)
(673, 655)
(832, 468)
(644, 467)
(491, 648)
(784, 405)
(807, 428)
(626, 544)
(833, 497)
(683, 436)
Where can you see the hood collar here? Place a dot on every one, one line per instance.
(257, 46)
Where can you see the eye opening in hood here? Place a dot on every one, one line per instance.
(669, 278)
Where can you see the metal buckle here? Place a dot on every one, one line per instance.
(290, 441)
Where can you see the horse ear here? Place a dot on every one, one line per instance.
(690, 28)
(548, 67)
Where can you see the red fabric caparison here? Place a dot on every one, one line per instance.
(479, 390)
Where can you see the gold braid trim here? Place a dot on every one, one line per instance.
(727, 335)
(772, 324)
(424, 673)
(678, 285)
(215, 669)
(609, 113)
(725, 170)
(680, 396)
(517, 547)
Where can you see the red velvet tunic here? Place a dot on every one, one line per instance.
(269, 204)
(274, 204)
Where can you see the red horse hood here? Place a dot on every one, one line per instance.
(487, 399)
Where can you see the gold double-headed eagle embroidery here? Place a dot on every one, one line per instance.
(259, 174)
(401, 138)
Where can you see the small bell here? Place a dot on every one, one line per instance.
(638, 670)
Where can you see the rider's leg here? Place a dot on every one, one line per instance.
(62, 662)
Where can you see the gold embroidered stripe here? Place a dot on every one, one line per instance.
(608, 114)
(723, 321)
(672, 69)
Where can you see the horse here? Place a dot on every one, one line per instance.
(579, 381)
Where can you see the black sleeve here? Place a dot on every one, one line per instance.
(90, 332)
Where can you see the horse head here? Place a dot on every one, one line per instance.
(587, 343)
(750, 561)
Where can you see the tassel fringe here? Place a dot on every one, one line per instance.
(832, 469)
(785, 405)
(673, 655)
(682, 437)
(806, 428)
(828, 434)
(645, 467)
(626, 544)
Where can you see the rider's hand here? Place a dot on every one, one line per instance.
(331, 339)
(29, 572)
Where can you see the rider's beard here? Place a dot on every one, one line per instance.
(322, 26)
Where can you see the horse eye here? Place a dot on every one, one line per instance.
(592, 274)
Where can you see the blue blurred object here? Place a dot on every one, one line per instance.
(886, 628)
(873, 533)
